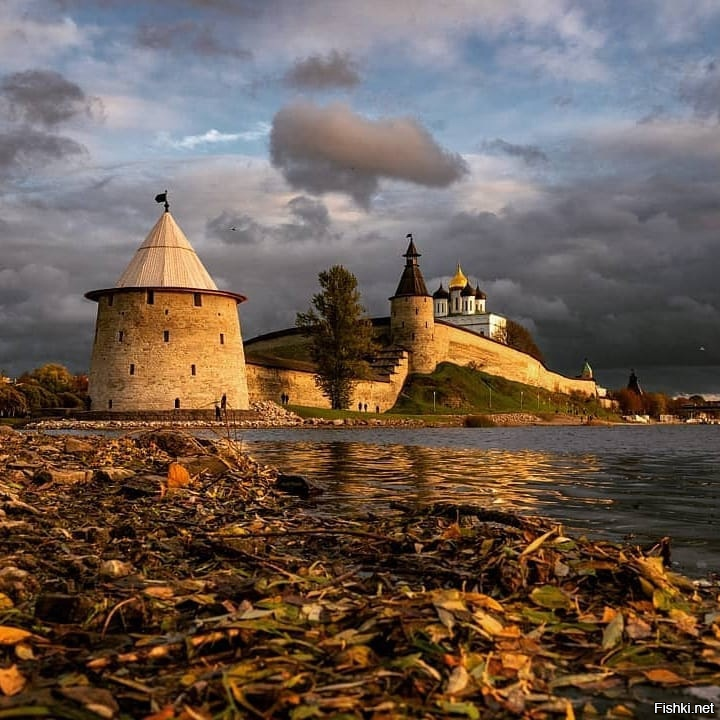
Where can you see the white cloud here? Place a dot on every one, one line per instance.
(213, 137)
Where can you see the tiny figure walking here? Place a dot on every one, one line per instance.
(223, 402)
(217, 411)
(359, 407)
(365, 407)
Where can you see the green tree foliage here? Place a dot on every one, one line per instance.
(12, 402)
(52, 386)
(517, 336)
(341, 336)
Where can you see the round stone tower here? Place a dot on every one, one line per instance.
(412, 324)
(166, 338)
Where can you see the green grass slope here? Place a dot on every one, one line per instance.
(453, 389)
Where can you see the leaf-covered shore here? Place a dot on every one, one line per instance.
(157, 576)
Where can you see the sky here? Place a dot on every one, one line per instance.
(566, 153)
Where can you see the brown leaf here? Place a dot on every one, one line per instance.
(661, 676)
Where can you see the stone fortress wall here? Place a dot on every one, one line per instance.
(449, 344)
(184, 346)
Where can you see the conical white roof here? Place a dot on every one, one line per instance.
(166, 259)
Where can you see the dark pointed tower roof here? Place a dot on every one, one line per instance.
(411, 282)
(441, 293)
(468, 291)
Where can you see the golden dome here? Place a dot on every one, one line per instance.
(459, 281)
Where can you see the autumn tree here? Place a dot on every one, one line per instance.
(12, 402)
(517, 336)
(341, 336)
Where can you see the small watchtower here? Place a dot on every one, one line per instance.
(412, 323)
(166, 337)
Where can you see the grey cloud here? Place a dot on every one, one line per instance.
(702, 90)
(309, 211)
(332, 149)
(312, 223)
(23, 149)
(182, 36)
(44, 97)
(531, 154)
(322, 72)
(235, 229)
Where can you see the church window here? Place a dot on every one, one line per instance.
(110, 300)
(150, 297)
(413, 336)
(120, 336)
(197, 299)
(192, 370)
(426, 323)
(132, 368)
(222, 338)
(417, 310)
(166, 335)
(109, 404)
(177, 403)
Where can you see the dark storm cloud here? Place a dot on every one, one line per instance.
(311, 223)
(43, 97)
(702, 90)
(332, 149)
(24, 149)
(182, 36)
(531, 154)
(597, 275)
(311, 212)
(317, 72)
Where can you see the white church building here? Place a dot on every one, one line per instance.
(464, 306)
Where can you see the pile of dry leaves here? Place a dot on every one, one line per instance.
(161, 577)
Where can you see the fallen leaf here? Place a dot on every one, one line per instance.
(177, 476)
(538, 542)
(457, 681)
(549, 596)
(11, 680)
(661, 676)
(12, 635)
(613, 632)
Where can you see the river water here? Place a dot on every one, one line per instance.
(636, 483)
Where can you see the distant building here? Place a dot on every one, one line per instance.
(464, 305)
(166, 337)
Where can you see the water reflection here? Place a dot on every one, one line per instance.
(616, 485)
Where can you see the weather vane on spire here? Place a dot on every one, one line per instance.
(162, 198)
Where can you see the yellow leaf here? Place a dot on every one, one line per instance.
(457, 681)
(664, 677)
(613, 632)
(537, 542)
(488, 623)
(12, 635)
(11, 680)
(5, 602)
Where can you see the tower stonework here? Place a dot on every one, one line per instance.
(412, 322)
(165, 337)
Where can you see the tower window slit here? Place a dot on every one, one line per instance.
(109, 404)
(110, 300)
(192, 370)
(197, 299)
(120, 336)
(166, 335)
(150, 297)
(177, 403)
(132, 368)
(222, 338)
